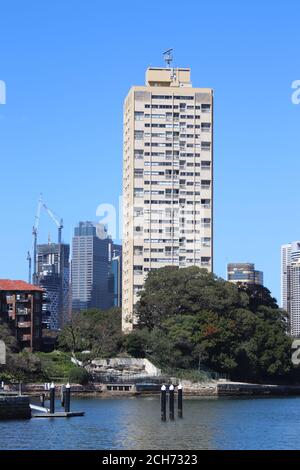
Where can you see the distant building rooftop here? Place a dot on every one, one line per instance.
(10, 285)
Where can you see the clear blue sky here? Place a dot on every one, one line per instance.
(68, 66)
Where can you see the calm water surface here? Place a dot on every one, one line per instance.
(134, 423)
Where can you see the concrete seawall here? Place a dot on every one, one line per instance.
(246, 389)
(192, 389)
(14, 407)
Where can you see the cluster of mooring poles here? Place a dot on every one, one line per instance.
(163, 402)
(65, 398)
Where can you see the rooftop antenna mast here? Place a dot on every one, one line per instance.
(168, 57)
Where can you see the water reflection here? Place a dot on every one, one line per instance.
(134, 423)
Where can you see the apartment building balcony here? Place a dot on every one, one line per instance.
(24, 324)
(171, 177)
(26, 338)
(205, 263)
(138, 272)
(22, 298)
(205, 168)
(205, 147)
(23, 311)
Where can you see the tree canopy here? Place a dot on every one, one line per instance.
(96, 331)
(189, 318)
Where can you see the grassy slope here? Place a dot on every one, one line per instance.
(55, 365)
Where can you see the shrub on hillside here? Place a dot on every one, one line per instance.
(79, 375)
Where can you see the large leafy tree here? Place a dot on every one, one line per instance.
(9, 340)
(96, 331)
(172, 291)
(189, 318)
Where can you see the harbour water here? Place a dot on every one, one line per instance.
(134, 423)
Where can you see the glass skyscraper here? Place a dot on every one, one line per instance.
(90, 267)
(53, 274)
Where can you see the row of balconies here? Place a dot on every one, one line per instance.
(24, 324)
(26, 338)
(23, 311)
(182, 263)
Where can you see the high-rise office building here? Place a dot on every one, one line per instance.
(244, 273)
(167, 179)
(290, 284)
(285, 275)
(90, 267)
(53, 274)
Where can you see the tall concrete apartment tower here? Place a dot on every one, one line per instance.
(167, 179)
(290, 285)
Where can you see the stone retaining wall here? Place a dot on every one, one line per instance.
(121, 367)
(38, 389)
(199, 389)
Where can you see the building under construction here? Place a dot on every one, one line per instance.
(53, 273)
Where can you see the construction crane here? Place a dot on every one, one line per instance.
(29, 266)
(34, 239)
(56, 220)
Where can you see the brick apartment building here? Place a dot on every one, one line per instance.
(21, 308)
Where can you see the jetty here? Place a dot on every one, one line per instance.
(13, 406)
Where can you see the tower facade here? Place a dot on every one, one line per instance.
(90, 267)
(53, 274)
(167, 179)
(290, 285)
(285, 275)
(116, 275)
(244, 273)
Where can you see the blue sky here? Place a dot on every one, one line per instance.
(68, 65)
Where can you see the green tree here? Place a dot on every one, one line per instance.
(79, 375)
(96, 331)
(9, 340)
(23, 366)
(172, 291)
(193, 319)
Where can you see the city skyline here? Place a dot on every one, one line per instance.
(252, 99)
